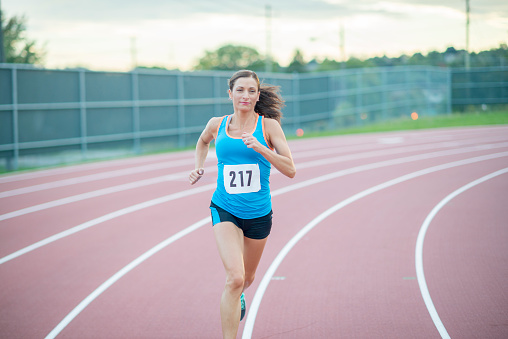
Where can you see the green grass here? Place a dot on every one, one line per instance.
(438, 121)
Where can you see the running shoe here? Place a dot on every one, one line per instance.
(242, 302)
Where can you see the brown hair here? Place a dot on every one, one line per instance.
(270, 102)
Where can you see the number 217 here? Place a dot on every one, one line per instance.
(232, 174)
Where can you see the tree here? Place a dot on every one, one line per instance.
(353, 62)
(329, 65)
(18, 48)
(298, 64)
(417, 59)
(231, 57)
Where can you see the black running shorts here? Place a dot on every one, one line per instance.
(257, 228)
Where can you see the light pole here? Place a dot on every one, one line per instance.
(2, 51)
(268, 61)
(467, 35)
(342, 45)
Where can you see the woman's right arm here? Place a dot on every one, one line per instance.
(202, 146)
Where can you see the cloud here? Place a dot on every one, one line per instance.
(85, 32)
(134, 10)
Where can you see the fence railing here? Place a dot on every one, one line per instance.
(482, 86)
(65, 115)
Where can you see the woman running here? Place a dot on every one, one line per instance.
(247, 143)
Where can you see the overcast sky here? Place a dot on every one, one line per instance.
(100, 34)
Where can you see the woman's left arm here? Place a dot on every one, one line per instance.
(281, 159)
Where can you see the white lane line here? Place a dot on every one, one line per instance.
(66, 169)
(282, 190)
(107, 217)
(133, 264)
(96, 176)
(100, 192)
(108, 283)
(314, 163)
(359, 156)
(419, 249)
(256, 301)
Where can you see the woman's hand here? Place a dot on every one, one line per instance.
(195, 175)
(251, 142)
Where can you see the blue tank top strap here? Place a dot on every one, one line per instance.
(222, 124)
(261, 128)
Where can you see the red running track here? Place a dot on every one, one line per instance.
(124, 248)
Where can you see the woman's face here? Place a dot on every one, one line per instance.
(245, 94)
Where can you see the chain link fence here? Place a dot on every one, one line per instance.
(479, 89)
(48, 117)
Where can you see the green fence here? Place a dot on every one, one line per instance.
(53, 116)
(479, 88)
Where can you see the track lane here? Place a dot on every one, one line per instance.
(219, 276)
(50, 194)
(164, 163)
(183, 299)
(465, 261)
(11, 204)
(13, 181)
(58, 276)
(339, 274)
(331, 167)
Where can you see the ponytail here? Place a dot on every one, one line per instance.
(270, 102)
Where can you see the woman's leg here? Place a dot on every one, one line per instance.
(252, 251)
(230, 243)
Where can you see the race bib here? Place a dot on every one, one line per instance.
(242, 178)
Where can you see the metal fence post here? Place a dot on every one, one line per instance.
(428, 73)
(135, 111)
(15, 127)
(449, 90)
(331, 99)
(408, 109)
(82, 114)
(296, 101)
(216, 95)
(384, 96)
(359, 101)
(181, 111)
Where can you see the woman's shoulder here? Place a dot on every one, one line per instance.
(271, 124)
(214, 122)
(212, 127)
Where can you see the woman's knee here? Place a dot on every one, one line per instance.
(235, 281)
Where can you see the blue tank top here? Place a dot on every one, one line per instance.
(243, 180)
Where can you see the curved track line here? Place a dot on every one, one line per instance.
(256, 301)
(419, 249)
(133, 264)
(180, 175)
(194, 227)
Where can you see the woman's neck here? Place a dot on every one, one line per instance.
(244, 119)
